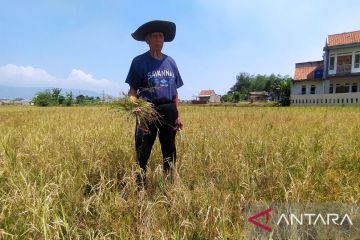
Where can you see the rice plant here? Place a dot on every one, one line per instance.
(143, 111)
(69, 173)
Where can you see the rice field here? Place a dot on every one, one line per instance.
(69, 173)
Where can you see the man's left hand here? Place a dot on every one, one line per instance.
(178, 124)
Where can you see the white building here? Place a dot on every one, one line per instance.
(209, 96)
(335, 80)
(19, 102)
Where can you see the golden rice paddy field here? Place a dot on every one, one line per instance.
(68, 173)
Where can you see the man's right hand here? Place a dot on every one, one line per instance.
(133, 98)
(132, 94)
(137, 110)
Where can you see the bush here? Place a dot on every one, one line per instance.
(43, 99)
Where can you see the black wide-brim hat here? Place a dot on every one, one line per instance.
(165, 27)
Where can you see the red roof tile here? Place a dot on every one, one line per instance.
(343, 38)
(206, 92)
(306, 71)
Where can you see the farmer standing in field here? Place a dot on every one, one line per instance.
(155, 77)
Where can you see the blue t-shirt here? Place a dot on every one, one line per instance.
(155, 80)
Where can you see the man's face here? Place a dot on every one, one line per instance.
(155, 41)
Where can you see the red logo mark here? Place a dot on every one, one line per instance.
(267, 213)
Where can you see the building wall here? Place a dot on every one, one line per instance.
(215, 98)
(323, 87)
(207, 98)
(212, 98)
(339, 52)
(297, 87)
(346, 87)
(326, 99)
(343, 82)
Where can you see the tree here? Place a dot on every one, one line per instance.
(285, 90)
(55, 94)
(277, 86)
(69, 99)
(281, 89)
(243, 83)
(80, 99)
(61, 99)
(259, 83)
(43, 99)
(226, 98)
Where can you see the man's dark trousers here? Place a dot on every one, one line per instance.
(165, 128)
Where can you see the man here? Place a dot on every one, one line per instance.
(155, 77)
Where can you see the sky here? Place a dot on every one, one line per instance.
(86, 44)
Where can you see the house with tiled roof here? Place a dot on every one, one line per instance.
(209, 96)
(335, 80)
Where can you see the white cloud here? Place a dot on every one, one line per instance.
(20, 76)
(79, 79)
(27, 76)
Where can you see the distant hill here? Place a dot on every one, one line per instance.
(8, 92)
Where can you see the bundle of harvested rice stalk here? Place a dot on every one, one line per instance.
(143, 111)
